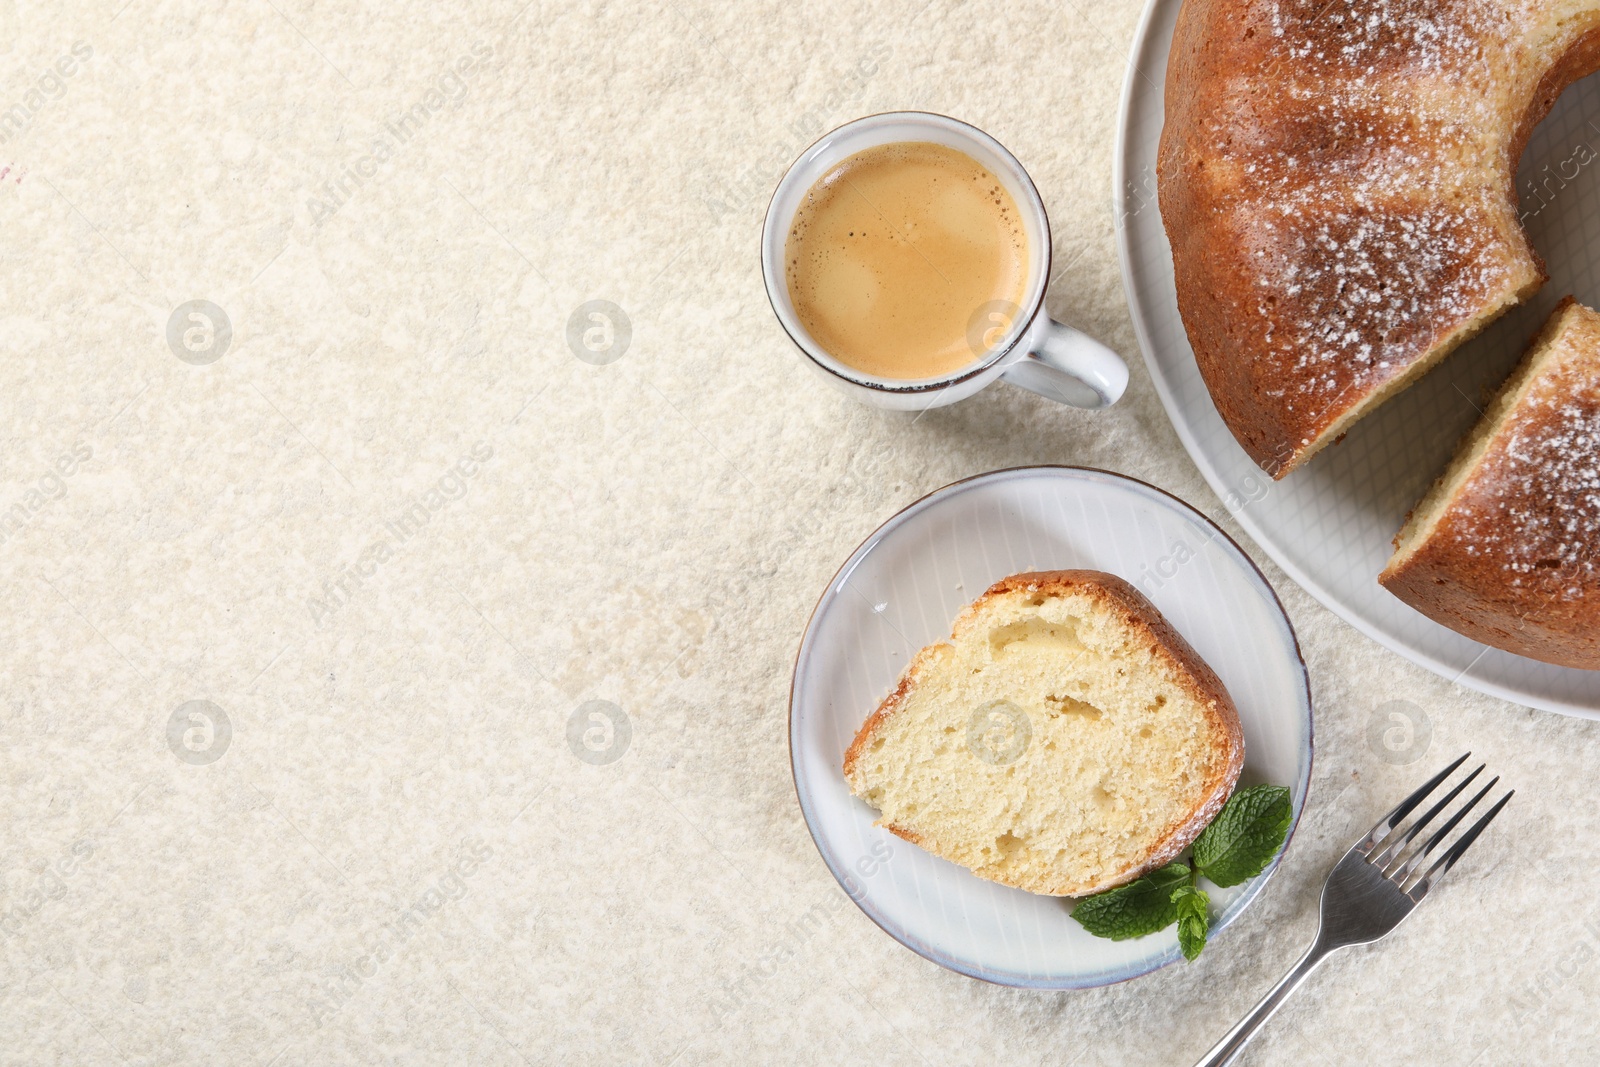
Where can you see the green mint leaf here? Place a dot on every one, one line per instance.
(1242, 840)
(1141, 907)
(1192, 922)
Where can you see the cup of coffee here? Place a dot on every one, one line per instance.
(907, 255)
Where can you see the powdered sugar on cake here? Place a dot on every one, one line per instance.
(1534, 504)
(1429, 35)
(1346, 294)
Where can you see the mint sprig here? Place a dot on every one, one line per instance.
(1237, 846)
(1244, 837)
(1192, 923)
(1141, 907)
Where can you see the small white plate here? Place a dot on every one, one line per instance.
(1329, 524)
(902, 589)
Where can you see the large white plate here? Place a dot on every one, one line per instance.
(1330, 524)
(901, 590)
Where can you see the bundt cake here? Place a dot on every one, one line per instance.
(1336, 178)
(1505, 548)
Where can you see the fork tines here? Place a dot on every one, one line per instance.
(1401, 860)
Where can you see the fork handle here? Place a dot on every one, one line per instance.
(1223, 1052)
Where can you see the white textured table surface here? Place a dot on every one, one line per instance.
(397, 534)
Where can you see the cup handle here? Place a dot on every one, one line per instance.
(1070, 367)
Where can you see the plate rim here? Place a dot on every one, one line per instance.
(1301, 787)
(1136, 312)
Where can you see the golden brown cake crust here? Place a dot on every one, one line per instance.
(1138, 614)
(1336, 182)
(1514, 561)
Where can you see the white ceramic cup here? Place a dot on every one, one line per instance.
(1022, 344)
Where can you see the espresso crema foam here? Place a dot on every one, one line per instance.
(898, 256)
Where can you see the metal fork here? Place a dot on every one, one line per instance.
(1377, 883)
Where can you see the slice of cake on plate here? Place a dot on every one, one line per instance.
(1066, 739)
